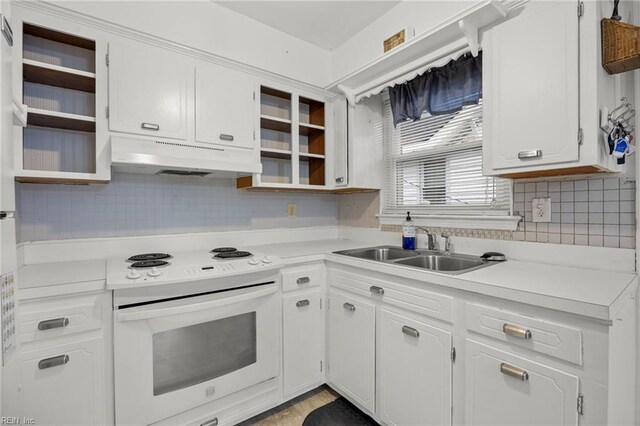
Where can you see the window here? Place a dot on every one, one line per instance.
(434, 166)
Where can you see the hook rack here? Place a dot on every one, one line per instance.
(620, 117)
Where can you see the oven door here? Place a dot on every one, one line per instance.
(174, 355)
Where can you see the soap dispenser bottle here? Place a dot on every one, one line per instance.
(408, 234)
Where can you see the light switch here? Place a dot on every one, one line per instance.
(541, 208)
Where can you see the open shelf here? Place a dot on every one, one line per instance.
(60, 120)
(274, 123)
(55, 75)
(58, 36)
(311, 112)
(310, 155)
(59, 141)
(275, 103)
(275, 153)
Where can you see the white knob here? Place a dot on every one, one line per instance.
(154, 272)
(133, 275)
(266, 259)
(253, 261)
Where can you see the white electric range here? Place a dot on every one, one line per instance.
(190, 328)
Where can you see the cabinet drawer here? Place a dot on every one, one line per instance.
(301, 277)
(550, 338)
(416, 300)
(56, 317)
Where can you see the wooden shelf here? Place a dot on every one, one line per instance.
(275, 153)
(307, 128)
(275, 92)
(311, 155)
(68, 178)
(58, 36)
(60, 120)
(311, 111)
(246, 183)
(54, 75)
(277, 124)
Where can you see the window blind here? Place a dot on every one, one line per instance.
(434, 166)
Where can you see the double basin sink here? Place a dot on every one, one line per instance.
(422, 259)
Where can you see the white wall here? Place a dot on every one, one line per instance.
(367, 44)
(206, 26)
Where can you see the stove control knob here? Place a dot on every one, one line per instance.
(154, 272)
(133, 274)
(266, 259)
(253, 261)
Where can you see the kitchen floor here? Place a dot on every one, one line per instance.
(293, 413)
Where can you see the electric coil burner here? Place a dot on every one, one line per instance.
(148, 256)
(233, 254)
(148, 264)
(224, 250)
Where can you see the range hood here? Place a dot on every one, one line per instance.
(149, 156)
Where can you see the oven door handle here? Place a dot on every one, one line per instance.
(194, 306)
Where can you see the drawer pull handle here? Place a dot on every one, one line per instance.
(226, 137)
(302, 303)
(534, 153)
(339, 180)
(410, 331)
(349, 307)
(53, 361)
(377, 290)
(517, 331)
(303, 280)
(212, 422)
(53, 323)
(150, 126)
(513, 371)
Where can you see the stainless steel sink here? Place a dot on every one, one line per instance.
(444, 263)
(381, 254)
(422, 259)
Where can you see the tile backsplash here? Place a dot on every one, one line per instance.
(596, 212)
(147, 204)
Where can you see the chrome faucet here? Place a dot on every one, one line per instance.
(447, 244)
(431, 239)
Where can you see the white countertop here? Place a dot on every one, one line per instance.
(588, 292)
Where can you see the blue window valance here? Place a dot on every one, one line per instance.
(442, 90)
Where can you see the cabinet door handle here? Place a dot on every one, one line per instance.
(516, 331)
(53, 361)
(377, 290)
(349, 307)
(212, 422)
(303, 280)
(410, 331)
(226, 137)
(513, 371)
(150, 126)
(534, 153)
(53, 323)
(339, 180)
(302, 303)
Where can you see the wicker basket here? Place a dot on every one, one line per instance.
(620, 46)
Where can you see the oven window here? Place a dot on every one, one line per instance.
(190, 355)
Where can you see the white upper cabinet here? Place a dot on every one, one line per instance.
(531, 89)
(225, 107)
(148, 91)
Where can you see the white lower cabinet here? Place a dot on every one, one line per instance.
(302, 330)
(63, 384)
(351, 335)
(502, 389)
(414, 369)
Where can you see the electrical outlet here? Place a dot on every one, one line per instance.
(541, 208)
(292, 211)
